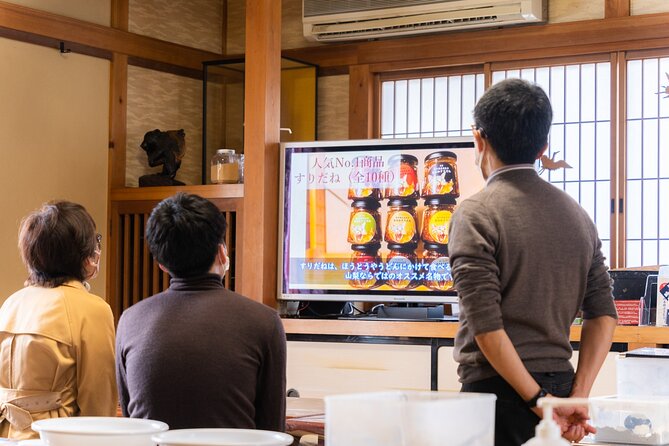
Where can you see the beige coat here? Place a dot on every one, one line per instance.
(56, 357)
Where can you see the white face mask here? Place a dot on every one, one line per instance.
(96, 265)
(226, 265)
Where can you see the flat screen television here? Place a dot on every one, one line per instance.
(367, 220)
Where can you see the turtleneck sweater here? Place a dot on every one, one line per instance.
(198, 355)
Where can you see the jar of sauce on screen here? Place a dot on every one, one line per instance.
(404, 183)
(437, 219)
(364, 227)
(401, 266)
(438, 275)
(366, 261)
(441, 175)
(401, 223)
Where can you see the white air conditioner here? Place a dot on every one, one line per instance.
(337, 20)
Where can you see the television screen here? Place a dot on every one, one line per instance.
(368, 220)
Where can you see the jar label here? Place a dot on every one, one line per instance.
(440, 180)
(437, 226)
(439, 276)
(362, 228)
(401, 227)
(400, 270)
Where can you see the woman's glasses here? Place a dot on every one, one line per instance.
(98, 240)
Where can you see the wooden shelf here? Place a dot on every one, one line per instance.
(623, 334)
(161, 192)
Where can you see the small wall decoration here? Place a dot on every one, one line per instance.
(167, 149)
(550, 163)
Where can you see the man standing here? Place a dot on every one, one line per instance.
(526, 259)
(197, 354)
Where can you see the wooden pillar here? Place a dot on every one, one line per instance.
(361, 103)
(262, 111)
(616, 8)
(118, 95)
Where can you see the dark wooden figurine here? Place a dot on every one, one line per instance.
(167, 149)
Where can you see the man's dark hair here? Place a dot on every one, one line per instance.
(183, 233)
(515, 117)
(55, 241)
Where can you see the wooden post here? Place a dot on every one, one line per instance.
(118, 100)
(361, 103)
(616, 8)
(262, 111)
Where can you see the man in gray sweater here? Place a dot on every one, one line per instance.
(197, 354)
(526, 259)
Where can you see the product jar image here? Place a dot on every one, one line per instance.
(437, 219)
(404, 183)
(366, 263)
(438, 274)
(441, 175)
(401, 223)
(364, 227)
(401, 266)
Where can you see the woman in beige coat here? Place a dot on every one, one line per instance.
(56, 339)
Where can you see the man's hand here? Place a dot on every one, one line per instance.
(573, 422)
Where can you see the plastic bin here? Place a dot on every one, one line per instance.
(410, 418)
(630, 420)
(643, 372)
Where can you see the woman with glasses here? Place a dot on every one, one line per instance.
(56, 338)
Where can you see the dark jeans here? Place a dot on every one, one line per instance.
(514, 421)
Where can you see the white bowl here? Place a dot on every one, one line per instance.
(98, 431)
(31, 443)
(222, 437)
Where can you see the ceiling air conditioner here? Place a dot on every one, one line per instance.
(337, 20)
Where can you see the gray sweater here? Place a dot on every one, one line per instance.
(198, 355)
(526, 257)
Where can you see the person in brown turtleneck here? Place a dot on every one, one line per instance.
(198, 355)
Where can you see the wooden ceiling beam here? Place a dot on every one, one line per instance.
(42, 28)
(583, 37)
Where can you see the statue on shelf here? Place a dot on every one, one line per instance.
(167, 149)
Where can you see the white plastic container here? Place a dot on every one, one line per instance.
(630, 420)
(98, 431)
(222, 437)
(410, 418)
(642, 376)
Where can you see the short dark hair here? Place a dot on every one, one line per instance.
(183, 233)
(55, 241)
(515, 117)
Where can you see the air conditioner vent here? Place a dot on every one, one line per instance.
(408, 17)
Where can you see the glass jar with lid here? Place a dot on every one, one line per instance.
(402, 266)
(225, 167)
(437, 219)
(441, 175)
(366, 266)
(404, 183)
(364, 227)
(401, 224)
(438, 275)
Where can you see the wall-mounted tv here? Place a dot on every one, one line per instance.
(367, 220)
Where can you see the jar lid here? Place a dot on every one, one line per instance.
(225, 151)
(402, 202)
(366, 204)
(441, 249)
(370, 248)
(440, 201)
(444, 154)
(404, 248)
(403, 157)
